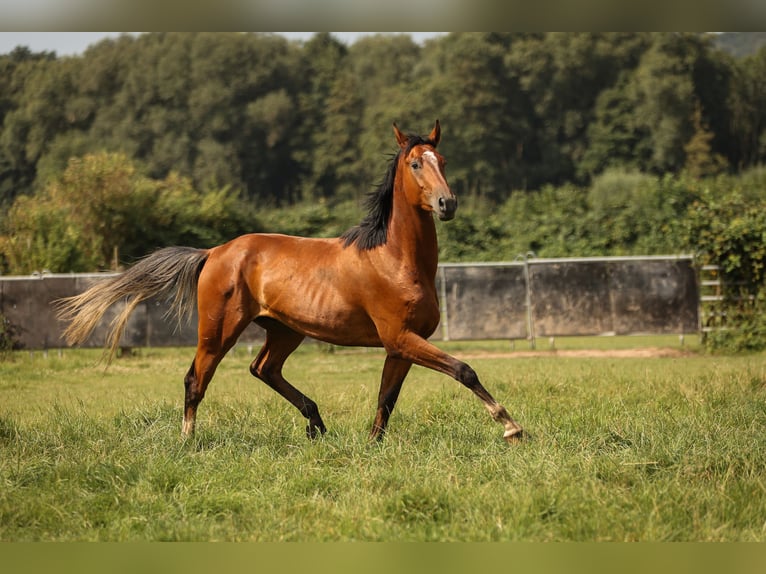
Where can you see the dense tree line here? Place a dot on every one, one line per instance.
(284, 121)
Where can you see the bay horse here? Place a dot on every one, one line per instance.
(374, 286)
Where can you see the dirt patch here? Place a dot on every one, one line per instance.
(643, 352)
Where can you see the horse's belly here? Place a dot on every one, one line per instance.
(325, 315)
(345, 329)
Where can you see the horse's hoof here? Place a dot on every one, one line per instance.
(313, 431)
(515, 436)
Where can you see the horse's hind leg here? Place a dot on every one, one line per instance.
(196, 385)
(281, 341)
(196, 381)
(215, 339)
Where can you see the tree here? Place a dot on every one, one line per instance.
(748, 110)
(37, 90)
(701, 161)
(102, 210)
(645, 120)
(664, 94)
(383, 70)
(333, 107)
(615, 135)
(336, 170)
(466, 84)
(564, 78)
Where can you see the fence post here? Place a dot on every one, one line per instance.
(443, 308)
(530, 323)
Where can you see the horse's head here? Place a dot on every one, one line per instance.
(422, 169)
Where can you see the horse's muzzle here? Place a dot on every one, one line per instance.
(446, 208)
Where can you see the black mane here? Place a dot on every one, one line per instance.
(373, 230)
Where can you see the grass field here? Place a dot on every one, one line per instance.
(621, 449)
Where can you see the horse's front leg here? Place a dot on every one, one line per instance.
(394, 372)
(411, 347)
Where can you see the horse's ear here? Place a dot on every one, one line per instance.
(401, 139)
(435, 134)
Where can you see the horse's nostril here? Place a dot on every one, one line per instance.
(447, 204)
(446, 208)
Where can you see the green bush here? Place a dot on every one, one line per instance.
(727, 227)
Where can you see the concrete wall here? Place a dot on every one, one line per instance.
(483, 302)
(27, 302)
(519, 300)
(619, 296)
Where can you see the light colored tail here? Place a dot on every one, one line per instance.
(171, 272)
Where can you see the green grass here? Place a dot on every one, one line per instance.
(670, 449)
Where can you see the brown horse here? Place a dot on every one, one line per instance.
(374, 286)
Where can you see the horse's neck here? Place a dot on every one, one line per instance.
(412, 237)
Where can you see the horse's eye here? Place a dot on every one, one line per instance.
(415, 165)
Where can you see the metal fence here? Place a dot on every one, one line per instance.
(516, 300)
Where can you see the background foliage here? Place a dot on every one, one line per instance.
(559, 144)
(283, 121)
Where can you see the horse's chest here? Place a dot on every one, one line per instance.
(422, 306)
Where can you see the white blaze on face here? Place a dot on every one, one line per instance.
(430, 157)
